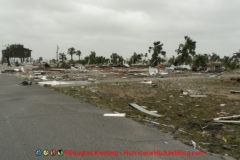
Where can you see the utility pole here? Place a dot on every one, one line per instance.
(57, 53)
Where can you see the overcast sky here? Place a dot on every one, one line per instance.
(120, 26)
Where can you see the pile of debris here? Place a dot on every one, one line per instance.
(236, 79)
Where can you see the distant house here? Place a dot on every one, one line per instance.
(16, 51)
(215, 67)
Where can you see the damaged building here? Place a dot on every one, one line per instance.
(16, 52)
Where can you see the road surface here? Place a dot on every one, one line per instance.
(32, 118)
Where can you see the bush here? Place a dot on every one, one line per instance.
(65, 65)
(46, 65)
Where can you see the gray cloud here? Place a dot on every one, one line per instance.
(108, 26)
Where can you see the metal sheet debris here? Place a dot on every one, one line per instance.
(140, 108)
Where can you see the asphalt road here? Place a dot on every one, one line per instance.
(32, 117)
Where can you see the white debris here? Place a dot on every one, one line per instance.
(235, 92)
(114, 114)
(194, 144)
(22, 69)
(153, 71)
(73, 68)
(154, 111)
(151, 122)
(44, 78)
(164, 73)
(16, 70)
(91, 80)
(126, 65)
(53, 83)
(198, 96)
(222, 105)
(140, 108)
(229, 119)
(147, 82)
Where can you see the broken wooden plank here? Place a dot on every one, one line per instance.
(151, 122)
(198, 96)
(140, 108)
(234, 92)
(229, 119)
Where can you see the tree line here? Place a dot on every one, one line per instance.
(185, 55)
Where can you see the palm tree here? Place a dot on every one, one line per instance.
(145, 59)
(40, 59)
(158, 53)
(62, 57)
(116, 59)
(71, 52)
(78, 53)
(8, 51)
(136, 58)
(186, 51)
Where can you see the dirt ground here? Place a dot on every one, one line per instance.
(186, 118)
